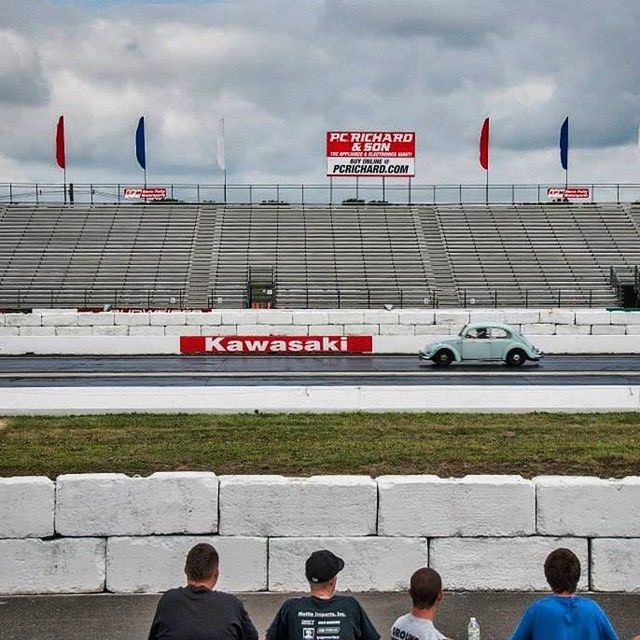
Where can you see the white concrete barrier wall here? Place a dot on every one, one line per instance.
(131, 535)
(398, 331)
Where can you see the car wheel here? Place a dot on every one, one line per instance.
(516, 358)
(443, 358)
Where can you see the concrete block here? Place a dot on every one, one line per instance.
(633, 329)
(538, 329)
(497, 564)
(239, 317)
(373, 316)
(120, 330)
(37, 331)
(593, 316)
(62, 319)
(361, 329)
(573, 329)
(608, 329)
(181, 330)
(325, 330)
(253, 330)
(416, 317)
(167, 318)
(475, 505)
(311, 317)
(371, 564)
(146, 330)
(100, 319)
(431, 330)
(52, 566)
(397, 330)
(346, 317)
(156, 563)
(586, 506)
(219, 330)
(2, 319)
(209, 318)
(522, 316)
(557, 316)
(454, 329)
(625, 317)
(9, 331)
(131, 318)
(452, 316)
(112, 504)
(272, 505)
(26, 507)
(22, 319)
(486, 315)
(289, 330)
(274, 316)
(72, 331)
(615, 564)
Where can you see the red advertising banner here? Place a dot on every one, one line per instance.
(371, 153)
(282, 345)
(145, 193)
(569, 193)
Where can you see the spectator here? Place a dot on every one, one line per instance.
(197, 612)
(322, 614)
(426, 594)
(564, 615)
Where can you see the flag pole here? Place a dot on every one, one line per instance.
(486, 188)
(225, 186)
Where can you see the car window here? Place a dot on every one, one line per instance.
(500, 333)
(477, 333)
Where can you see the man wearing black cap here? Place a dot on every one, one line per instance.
(322, 615)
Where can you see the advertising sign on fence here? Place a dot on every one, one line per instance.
(145, 193)
(569, 193)
(370, 154)
(242, 345)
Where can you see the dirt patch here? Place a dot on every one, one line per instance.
(4, 423)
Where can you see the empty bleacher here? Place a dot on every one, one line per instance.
(161, 255)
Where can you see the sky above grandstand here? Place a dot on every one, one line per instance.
(282, 72)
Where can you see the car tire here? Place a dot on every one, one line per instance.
(443, 358)
(516, 358)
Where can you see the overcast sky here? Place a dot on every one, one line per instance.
(282, 72)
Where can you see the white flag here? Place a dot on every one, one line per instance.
(220, 157)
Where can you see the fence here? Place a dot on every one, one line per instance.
(356, 191)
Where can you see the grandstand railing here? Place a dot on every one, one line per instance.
(345, 192)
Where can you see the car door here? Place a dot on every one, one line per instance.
(476, 344)
(501, 340)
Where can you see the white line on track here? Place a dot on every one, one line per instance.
(309, 374)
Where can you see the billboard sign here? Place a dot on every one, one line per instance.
(569, 193)
(145, 193)
(371, 154)
(282, 345)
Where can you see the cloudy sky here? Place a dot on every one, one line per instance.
(282, 72)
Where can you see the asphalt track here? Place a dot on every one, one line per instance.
(127, 617)
(151, 371)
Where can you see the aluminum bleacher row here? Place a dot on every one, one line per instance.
(162, 256)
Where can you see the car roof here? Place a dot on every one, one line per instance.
(491, 323)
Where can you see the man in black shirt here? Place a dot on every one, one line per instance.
(322, 615)
(196, 612)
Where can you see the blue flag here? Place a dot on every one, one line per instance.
(564, 144)
(141, 148)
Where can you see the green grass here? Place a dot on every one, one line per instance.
(305, 444)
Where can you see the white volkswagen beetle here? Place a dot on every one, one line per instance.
(484, 341)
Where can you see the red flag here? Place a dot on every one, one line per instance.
(484, 145)
(60, 155)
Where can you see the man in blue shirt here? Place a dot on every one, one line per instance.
(564, 615)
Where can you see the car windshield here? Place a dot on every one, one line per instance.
(463, 330)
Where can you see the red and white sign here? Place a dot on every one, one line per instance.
(570, 193)
(145, 193)
(296, 345)
(369, 154)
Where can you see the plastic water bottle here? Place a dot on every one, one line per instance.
(473, 630)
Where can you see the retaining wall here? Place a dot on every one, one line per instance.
(397, 331)
(110, 532)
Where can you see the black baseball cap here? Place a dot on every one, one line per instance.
(322, 565)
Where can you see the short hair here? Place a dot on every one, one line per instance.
(202, 561)
(562, 570)
(426, 586)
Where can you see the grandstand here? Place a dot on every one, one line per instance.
(196, 256)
